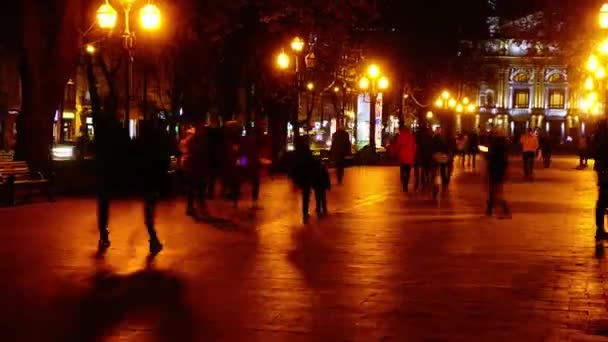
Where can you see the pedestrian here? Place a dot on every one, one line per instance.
(234, 157)
(186, 146)
(199, 175)
(423, 159)
(111, 143)
(151, 163)
(472, 148)
(442, 156)
(461, 147)
(251, 162)
(529, 143)
(601, 168)
(215, 137)
(497, 161)
(321, 183)
(545, 149)
(340, 150)
(405, 150)
(302, 172)
(583, 152)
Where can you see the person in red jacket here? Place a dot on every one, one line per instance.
(405, 150)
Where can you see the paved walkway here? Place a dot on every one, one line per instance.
(385, 266)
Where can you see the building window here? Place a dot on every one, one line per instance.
(557, 99)
(521, 77)
(521, 98)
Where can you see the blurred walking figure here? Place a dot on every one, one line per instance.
(583, 152)
(197, 170)
(215, 138)
(320, 185)
(461, 147)
(472, 148)
(423, 159)
(545, 149)
(111, 146)
(497, 162)
(340, 150)
(251, 162)
(306, 175)
(601, 169)
(151, 164)
(529, 143)
(405, 150)
(442, 157)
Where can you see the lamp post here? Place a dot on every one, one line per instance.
(446, 102)
(149, 19)
(284, 63)
(373, 82)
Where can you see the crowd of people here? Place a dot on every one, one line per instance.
(210, 155)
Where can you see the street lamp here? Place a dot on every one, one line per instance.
(297, 46)
(373, 82)
(604, 16)
(149, 19)
(446, 102)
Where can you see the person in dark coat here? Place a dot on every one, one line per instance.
(600, 144)
(111, 146)
(340, 150)
(423, 159)
(544, 142)
(497, 162)
(442, 153)
(251, 161)
(472, 148)
(307, 174)
(216, 146)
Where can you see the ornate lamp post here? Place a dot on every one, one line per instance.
(284, 63)
(373, 82)
(150, 19)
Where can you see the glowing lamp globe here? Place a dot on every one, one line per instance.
(150, 17)
(106, 16)
(373, 71)
(283, 60)
(297, 44)
(363, 83)
(383, 83)
(604, 16)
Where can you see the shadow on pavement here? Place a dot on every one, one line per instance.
(112, 300)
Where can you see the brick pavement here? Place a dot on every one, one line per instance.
(384, 266)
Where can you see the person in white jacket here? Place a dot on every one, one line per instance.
(529, 143)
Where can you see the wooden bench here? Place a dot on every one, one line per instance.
(6, 156)
(15, 176)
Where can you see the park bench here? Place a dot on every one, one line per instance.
(16, 177)
(6, 156)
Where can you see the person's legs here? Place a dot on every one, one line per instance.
(531, 157)
(462, 155)
(318, 200)
(474, 157)
(445, 176)
(340, 170)
(255, 188)
(405, 176)
(600, 211)
(103, 212)
(305, 203)
(150, 199)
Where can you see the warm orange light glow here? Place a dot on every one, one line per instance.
(310, 86)
(445, 94)
(429, 115)
(593, 63)
(336, 89)
(90, 49)
(439, 103)
(604, 16)
(383, 83)
(592, 97)
(471, 108)
(459, 108)
(149, 16)
(297, 44)
(364, 83)
(465, 101)
(373, 71)
(283, 60)
(452, 103)
(106, 16)
(589, 83)
(600, 73)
